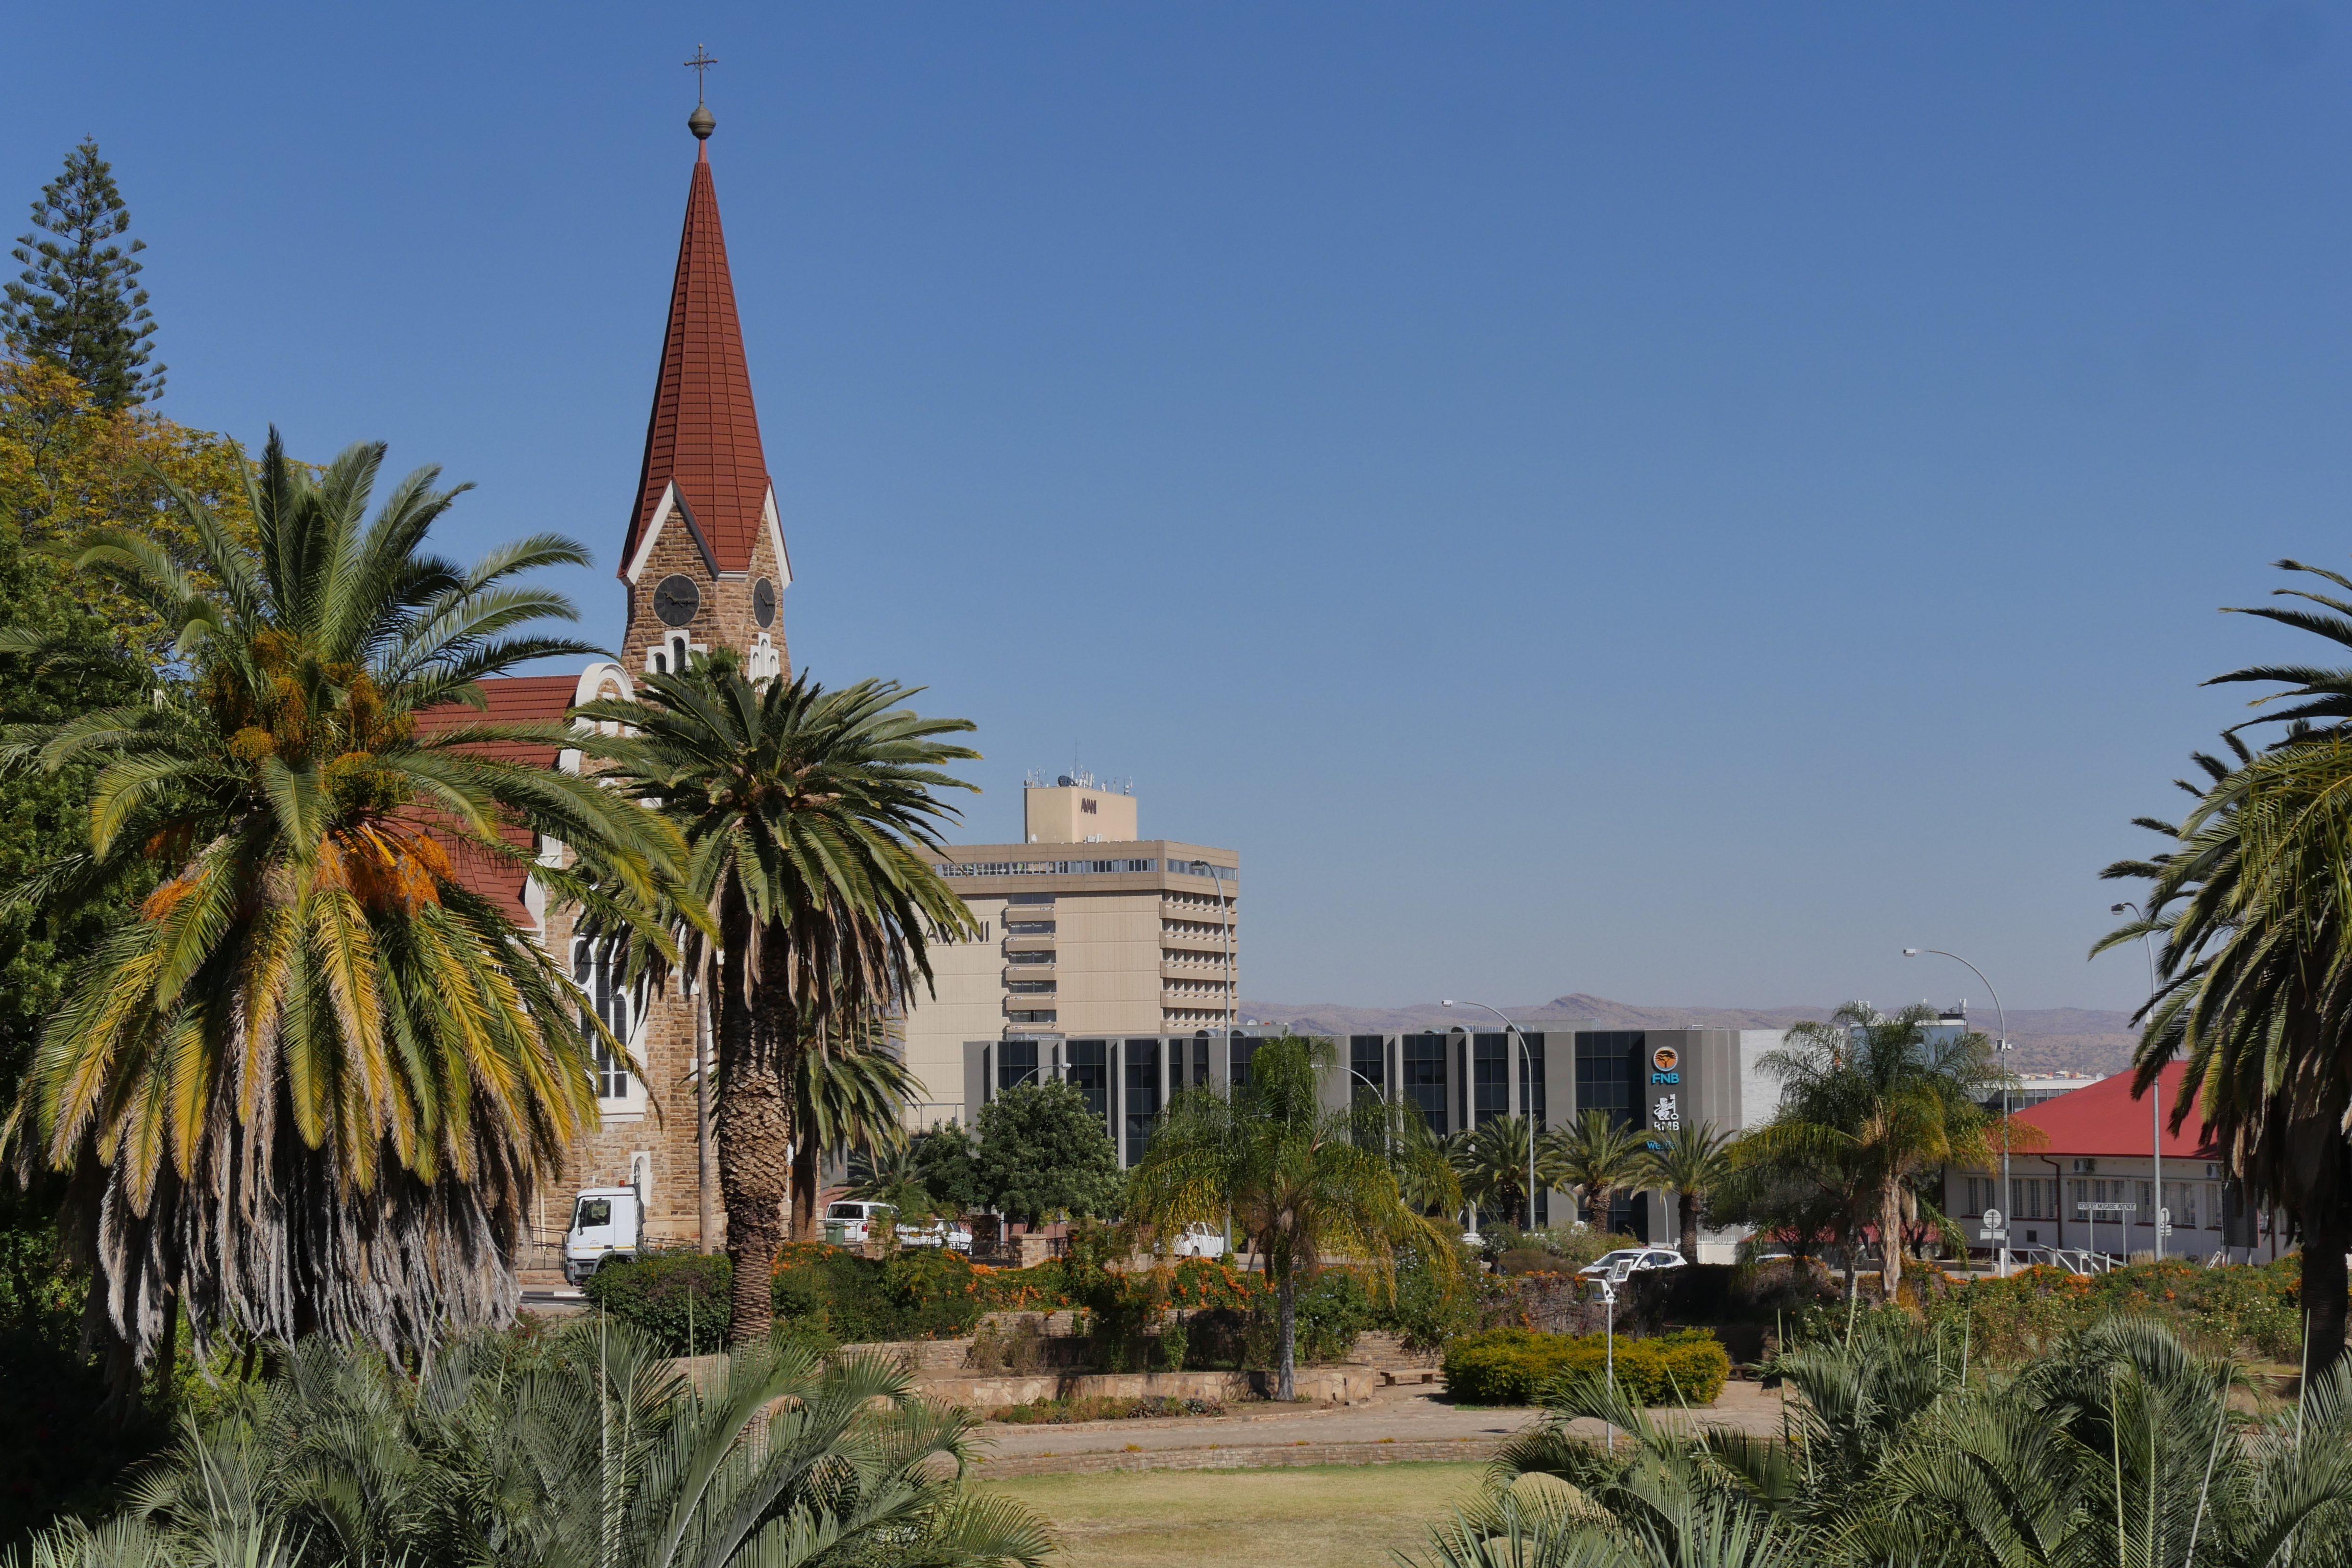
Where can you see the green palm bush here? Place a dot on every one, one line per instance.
(313, 1085)
(808, 812)
(852, 1091)
(1878, 1106)
(1303, 1182)
(585, 1450)
(1491, 1162)
(1596, 1155)
(2119, 1445)
(1691, 1161)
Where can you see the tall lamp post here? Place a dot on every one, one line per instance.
(2000, 1268)
(1527, 1112)
(2162, 1218)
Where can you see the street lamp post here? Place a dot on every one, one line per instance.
(1527, 1113)
(2001, 1266)
(2161, 1219)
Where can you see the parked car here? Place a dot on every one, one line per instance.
(853, 1222)
(1199, 1239)
(1635, 1259)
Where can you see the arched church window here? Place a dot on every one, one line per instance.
(597, 966)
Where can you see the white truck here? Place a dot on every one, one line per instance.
(606, 1223)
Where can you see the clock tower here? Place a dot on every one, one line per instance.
(704, 559)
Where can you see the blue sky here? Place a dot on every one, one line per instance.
(1672, 502)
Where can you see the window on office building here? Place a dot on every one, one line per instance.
(1425, 1077)
(1490, 1078)
(1607, 1073)
(1531, 1100)
(1016, 1063)
(1244, 1049)
(1089, 1071)
(1367, 1068)
(1142, 1066)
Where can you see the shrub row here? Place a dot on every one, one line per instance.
(1102, 1407)
(1200, 1313)
(1515, 1366)
(2244, 1310)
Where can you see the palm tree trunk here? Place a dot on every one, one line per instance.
(1687, 1212)
(1286, 1384)
(1598, 1212)
(2326, 1231)
(808, 1162)
(754, 1127)
(1890, 1239)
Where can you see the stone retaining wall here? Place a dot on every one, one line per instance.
(1319, 1384)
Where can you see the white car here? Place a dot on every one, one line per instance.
(1635, 1260)
(1199, 1239)
(853, 1222)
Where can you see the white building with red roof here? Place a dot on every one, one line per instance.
(2091, 1186)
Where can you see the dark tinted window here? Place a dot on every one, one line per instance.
(1367, 1060)
(1490, 1076)
(1142, 1060)
(1016, 1063)
(1089, 1073)
(1423, 1071)
(1608, 1072)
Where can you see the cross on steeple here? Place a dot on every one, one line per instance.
(700, 63)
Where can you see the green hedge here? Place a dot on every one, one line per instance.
(922, 1293)
(678, 1299)
(1513, 1366)
(2250, 1310)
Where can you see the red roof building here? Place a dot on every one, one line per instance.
(2101, 1153)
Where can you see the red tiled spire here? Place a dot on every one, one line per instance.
(704, 434)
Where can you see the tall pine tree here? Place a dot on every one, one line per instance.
(78, 305)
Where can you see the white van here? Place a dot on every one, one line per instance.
(852, 1223)
(604, 1227)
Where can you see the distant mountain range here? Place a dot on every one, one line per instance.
(2048, 1039)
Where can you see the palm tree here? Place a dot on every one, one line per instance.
(1884, 1104)
(2255, 964)
(1492, 1163)
(312, 1085)
(808, 812)
(587, 1448)
(1304, 1184)
(850, 1090)
(1688, 1161)
(1598, 1158)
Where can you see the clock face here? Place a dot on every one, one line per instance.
(675, 600)
(764, 603)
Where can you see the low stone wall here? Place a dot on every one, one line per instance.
(1342, 1384)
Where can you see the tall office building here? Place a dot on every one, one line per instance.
(1083, 930)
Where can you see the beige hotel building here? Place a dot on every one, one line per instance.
(1086, 929)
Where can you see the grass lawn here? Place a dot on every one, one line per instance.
(1313, 1517)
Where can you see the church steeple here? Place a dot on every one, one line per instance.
(706, 510)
